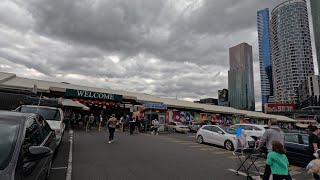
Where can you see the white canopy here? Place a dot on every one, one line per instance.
(70, 103)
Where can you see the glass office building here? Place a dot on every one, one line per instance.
(291, 49)
(315, 11)
(240, 77)
(265, 57)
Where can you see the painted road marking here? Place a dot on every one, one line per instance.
(188, 143)
(69, 169)
(233, 157)
(57, 168)
(244, 174)
(179, 141)
(196, 146)
(208, 149)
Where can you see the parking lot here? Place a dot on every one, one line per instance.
(145, 156)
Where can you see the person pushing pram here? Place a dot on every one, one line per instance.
(242, 143)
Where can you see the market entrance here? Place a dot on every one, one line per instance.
(100, 104)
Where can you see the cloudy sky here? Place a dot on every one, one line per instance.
(166, 48)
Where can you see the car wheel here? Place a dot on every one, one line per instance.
(228, 145)
(200, 139)
(174, 130)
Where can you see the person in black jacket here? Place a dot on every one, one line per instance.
(314, 144)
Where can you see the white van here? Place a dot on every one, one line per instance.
(54, 117)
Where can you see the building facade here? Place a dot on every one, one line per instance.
(240, 77)
(291, 49)
(210, 101)
(309, 92)
(223, 95)
(265, 57)
(315, 11)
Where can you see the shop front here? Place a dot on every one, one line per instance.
(100, 103)
(152, 111)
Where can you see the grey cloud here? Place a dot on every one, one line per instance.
(161, 50)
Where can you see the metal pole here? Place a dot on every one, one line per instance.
(39, 102)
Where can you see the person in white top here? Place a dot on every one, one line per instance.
(155, 123)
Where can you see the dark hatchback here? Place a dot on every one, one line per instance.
(297, 147)
(26, 146)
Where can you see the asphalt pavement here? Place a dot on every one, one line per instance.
(145, 156)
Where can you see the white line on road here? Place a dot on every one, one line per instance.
(69, 169)
(244, 174)
(57, 168)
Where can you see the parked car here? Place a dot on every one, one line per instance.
(53, 115)
(26, 146)
(221, 136)
(297, 146)
(194, 126)
(253, 130)
(177, 127)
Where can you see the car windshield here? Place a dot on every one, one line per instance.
(8, 134)
(47, 113)
(179, 124)
(229, 130)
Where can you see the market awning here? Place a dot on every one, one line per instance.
(302, 125)
(70, 103)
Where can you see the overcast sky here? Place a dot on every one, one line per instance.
(166, 48)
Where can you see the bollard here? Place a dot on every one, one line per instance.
(87, 125)
(100, 126)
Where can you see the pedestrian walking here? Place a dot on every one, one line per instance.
(137, 124)
(121, 123)
(73, 121)
(278, 162)
(91, 121)
(155, 124)
(242, 142)
(132, 124)
(314, 145)
(273, 133)
(112, 127)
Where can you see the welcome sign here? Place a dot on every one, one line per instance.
(93, 95)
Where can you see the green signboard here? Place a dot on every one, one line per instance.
(92, 95)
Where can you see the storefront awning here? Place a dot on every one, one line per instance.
(300, 125)
(70, 103)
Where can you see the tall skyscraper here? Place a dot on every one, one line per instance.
(291, 49)
(240, 77)
(315, 11)
(265, 57)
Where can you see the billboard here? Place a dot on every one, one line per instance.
(223, 95)
(271, 107)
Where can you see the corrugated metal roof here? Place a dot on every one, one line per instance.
(49, 85)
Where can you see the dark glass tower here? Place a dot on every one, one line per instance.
(265, 57)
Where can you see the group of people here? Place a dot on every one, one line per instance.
(87, 121)
(272, 143)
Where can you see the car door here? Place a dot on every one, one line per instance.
(207, 134)
(304, 148)
(48, 140)
(26, 169)
(292, 146)
(218, 138)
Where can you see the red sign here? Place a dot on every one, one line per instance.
(280, 107)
